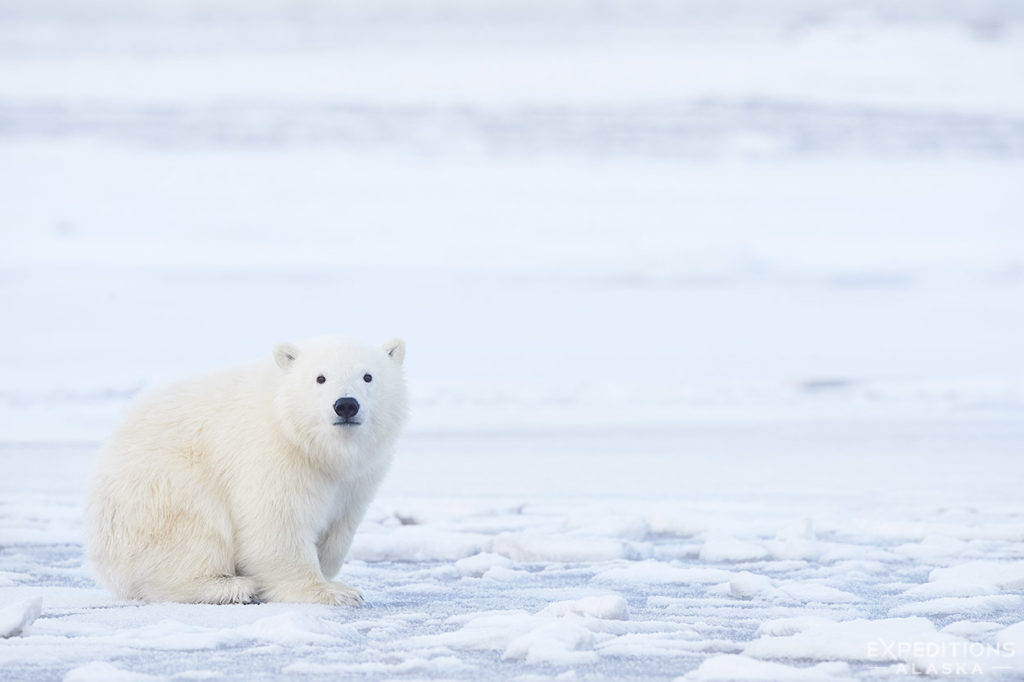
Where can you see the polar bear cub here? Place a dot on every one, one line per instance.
(248, 484)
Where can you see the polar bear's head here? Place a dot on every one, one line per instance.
(337, 394)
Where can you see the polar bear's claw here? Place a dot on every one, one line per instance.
(329, 593)
(222, 589)
(343, 595)
(237, 590)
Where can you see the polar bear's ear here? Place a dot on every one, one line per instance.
(285, 354)
(396, 349)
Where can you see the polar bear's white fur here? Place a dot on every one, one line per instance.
(247, 484)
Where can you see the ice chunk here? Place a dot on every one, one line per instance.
(721, 547)
(1004, 575)
(796, 541)
(609, 607)
(962, 606)
(15, 618)
(950, 588)
(417, 543)
(972, 629)
(531, 546)
(563, 633)
(807, 592)
(912, 644)
(854, 640)
(746, 585)
(558, 643)
(483, 631)
(477, 565)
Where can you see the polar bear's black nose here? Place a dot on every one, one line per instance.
(346, 408)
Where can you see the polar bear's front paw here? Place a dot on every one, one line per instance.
(340, 594)
(330, 593)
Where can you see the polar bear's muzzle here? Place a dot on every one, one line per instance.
(347, 409)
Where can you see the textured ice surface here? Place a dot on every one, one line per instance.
(457, 599)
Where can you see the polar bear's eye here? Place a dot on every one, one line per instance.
(321, 379)
(367, 378)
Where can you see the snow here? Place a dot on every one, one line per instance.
(531, 546)
(416, 543)
(913, 642)
(14, 619)
(964, 606)
(780, 627)
(653, 572)
(608, 606)
(98, 671)
(746, 585)
(1011, 636)
(479, 565)
(994, 575)
(714, 312)
(559, 643)
(718, 547)
(737, 668)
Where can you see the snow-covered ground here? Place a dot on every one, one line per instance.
(715, 317)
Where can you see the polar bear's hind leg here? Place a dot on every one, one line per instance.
(168, 537)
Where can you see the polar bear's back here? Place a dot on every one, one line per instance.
(172, 440)
(169, 417)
